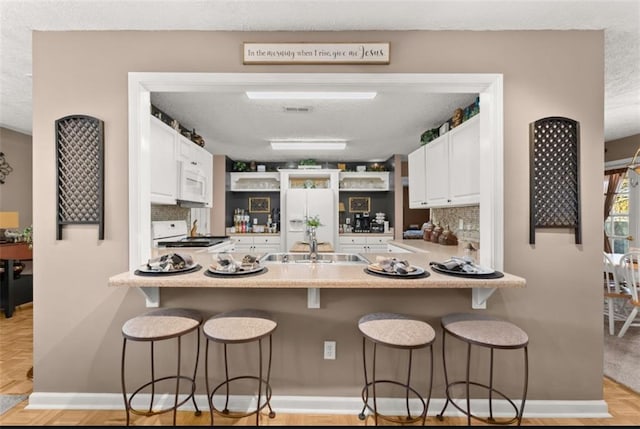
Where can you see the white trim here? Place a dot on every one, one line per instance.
(488, 85)
(326, 405)
(618, 163)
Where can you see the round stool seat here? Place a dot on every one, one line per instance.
(396, 330)
(485, 330)
(239, 326)
(161, 324)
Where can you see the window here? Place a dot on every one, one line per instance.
(616, 225)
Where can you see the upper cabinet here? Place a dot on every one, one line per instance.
(255, 182)
(180, 169)
(163, 163)
(364, 181)
(451, 173)
(417, 178)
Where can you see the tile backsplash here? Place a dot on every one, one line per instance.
(165, 212)
(450, 217)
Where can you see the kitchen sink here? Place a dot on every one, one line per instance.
(332, 258)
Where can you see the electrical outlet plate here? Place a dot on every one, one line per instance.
(330, 350)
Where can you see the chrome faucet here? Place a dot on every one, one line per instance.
(313, 245)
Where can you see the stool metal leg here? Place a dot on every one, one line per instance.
(195, 372)
(206, 380)
(365, 391)
(272, 414)
(373, 380)
(175, 401)
(491, 419)
(468, 393)
(122, 377)
(408, 384)
(259, 381)
(526, 384)
(446, 378)
(153, 378)
(225, 410)
(426, 407)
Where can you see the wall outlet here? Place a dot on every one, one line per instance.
(330, 350)
(461, 224)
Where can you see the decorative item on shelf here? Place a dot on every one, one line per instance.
(448, 238)
(444, 128)
(435, 234)
(240, 166)
(80, 172)
(5, 168)
(457, 118)
(194, 229)
(259, 205)
(427, 229)
(377, 167)
(308, 163)
(359, 204)
(342, 166)
(9, 221)
(252, 166)
(554, 198)
(429, 135)
(197, 139)
(261, 168)
(175, 125)
(361, 168)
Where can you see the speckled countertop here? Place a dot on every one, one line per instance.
(324, 275)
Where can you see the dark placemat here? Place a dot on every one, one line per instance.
(167, 273)
(398, 276)
(493, 275)
(210, 273)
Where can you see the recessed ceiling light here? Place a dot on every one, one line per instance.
(308, 144)
(310, 95)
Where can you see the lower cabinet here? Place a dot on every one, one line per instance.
(364, 243)
(256, 243)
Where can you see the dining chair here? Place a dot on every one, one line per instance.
(615, 297)
(630, 264)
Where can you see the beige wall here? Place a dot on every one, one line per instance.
(15, 193)
(621, 148)
(78, 317)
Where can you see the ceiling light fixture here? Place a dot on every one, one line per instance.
(308, 144)
(310, 95)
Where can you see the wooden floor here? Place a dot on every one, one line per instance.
(16, 358)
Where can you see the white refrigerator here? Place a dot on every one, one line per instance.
(303, 203)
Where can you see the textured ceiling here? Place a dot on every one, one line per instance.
(619, 19)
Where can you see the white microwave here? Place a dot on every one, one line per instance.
(192, 185)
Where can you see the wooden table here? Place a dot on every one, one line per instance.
(14, 291)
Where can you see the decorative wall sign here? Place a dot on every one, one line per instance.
(316, 53)
(260, 205)
(359, 204)
(80, 172)
(5, 168)
(554, 192)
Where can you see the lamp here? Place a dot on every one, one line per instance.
(9, 220)
(634, 167)
(308, 144)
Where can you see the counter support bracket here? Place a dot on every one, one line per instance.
(313, 297)
(151, 296)
(479, 297)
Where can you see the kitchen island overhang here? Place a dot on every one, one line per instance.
(316, 276)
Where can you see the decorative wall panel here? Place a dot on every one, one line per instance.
(80, 172)
(554, 144)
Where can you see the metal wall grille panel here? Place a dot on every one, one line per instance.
(80, 172)
(554, 175)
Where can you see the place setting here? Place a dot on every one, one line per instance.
(168, 264)
(225, 265)
(395, 268)
(464, 267)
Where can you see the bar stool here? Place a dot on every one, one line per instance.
(159, 325)
(493, 333)
(237, 327)
(396, 331)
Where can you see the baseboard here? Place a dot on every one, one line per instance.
(324, 405)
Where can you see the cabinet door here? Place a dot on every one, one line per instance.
(207, 169)
(353, 248)
(417, 178)
(464, 153)
(437, 171)
(164, 170)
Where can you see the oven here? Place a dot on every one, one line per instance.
(173, 234)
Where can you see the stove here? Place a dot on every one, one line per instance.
(173, 233)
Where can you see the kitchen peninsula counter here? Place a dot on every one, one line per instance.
(315, 275)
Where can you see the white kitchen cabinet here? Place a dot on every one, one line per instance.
(417, 178)
(364, 243)
(370, 181)
(452, 167)
(257, 243)
(254, 182)
(164, 183)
